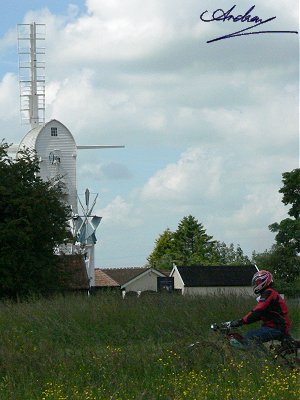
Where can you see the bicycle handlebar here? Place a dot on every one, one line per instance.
(223, 327)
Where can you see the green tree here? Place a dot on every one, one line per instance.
(229, 255)
(162, 255)
(284, 267)
(288, 230)
(283, 257)
(192, 245)
(33, 222)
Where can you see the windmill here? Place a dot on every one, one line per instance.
(53, 142)
(85, 226)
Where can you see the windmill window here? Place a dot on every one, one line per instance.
(53, 131)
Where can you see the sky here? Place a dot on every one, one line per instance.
(208, 128)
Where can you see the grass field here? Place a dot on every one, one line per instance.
(104, 347)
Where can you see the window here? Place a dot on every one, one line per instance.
(53, 131)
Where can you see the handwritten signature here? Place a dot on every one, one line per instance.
(221, 15)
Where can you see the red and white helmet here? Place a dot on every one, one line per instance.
(261, 280)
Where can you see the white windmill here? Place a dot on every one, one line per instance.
(55, 145)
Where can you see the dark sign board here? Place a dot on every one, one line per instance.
(165, 283)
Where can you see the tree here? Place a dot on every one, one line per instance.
(33, 222)
(284, 267)
(228, 255)
(190, 244)
(288, 230)
(162, 255)
(283, 257)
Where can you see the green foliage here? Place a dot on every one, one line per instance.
(288, 230)
(190, 245)
(103, 347)
(162, 255)
(283, 258)
(33, 222)
(228, 255)
(288, 233)
(291, 191)
(284, 265)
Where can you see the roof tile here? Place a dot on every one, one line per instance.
(123, 275)
(104, 280)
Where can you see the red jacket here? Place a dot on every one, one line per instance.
(272, 310)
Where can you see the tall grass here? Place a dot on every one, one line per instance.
(104, 347)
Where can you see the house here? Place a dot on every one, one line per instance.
(221, 279)
(137, 279)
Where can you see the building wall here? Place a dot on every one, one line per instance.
(226, 290)
(62, 146)
(177, 280)
(145, 282)
(213, 290)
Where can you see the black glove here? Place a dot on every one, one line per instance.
(236, 323)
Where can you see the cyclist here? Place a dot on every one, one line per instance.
(271, 309)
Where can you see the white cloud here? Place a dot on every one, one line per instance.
(114, 31)
(9, 101)
(119, 213)
(196, 175)
(111, 170)
(248, 224)
(8, 40)
(208, 129)
(262, 207)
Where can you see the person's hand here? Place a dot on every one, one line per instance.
(236, 323)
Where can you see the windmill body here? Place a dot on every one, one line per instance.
(56, 151)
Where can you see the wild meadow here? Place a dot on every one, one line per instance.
(104, 347)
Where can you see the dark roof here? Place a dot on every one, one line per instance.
(164, 272)
(221, 275)
(123, 275)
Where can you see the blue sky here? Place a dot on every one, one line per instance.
(208, 128)
(14, 10)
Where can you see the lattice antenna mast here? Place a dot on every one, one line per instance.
(31, 73)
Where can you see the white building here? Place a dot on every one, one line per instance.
(214, 280)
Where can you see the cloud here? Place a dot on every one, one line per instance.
(248, 224)
(208, 129)
(119, 213)
(195, 175)
(117, 31)
(108, 171)
(8, 40)
(9, 97)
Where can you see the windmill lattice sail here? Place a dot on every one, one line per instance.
(32, 73)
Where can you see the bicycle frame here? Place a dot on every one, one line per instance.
(288, 348)
(235, 339)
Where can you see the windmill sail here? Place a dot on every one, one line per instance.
(31, 73)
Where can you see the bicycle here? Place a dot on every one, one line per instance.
(286, 350)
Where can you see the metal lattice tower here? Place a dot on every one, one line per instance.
(32, 73)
